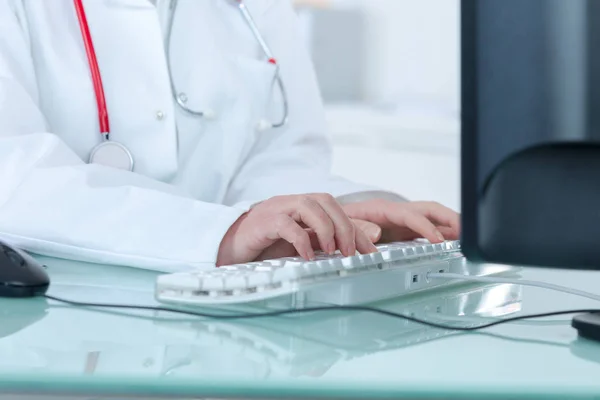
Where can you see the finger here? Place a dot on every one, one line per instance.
(314, 240)
(291, 232)
(439, 214)
(449, 233)
(401, 234)
(279, 249)
(311, 213)
(343, 225)
(397, 235)
(364, 245)
(373, 231)
(417, 223)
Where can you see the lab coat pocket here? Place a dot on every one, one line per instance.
(255, 80)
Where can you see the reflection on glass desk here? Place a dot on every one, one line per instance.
(59, 349)
(292, 346)
(296, 347)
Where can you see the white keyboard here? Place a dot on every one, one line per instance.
(398, 268)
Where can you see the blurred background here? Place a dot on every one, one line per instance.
(389, 74)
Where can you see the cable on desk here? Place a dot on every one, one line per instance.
(321, 309)
(521, 282)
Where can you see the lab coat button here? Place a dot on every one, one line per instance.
(183, 97)
(160, 115)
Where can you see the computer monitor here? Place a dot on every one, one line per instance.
(531, 132)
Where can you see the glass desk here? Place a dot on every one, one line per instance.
(57, 350)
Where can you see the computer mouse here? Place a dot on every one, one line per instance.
(20, 274)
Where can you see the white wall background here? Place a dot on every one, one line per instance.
(410, 48)
(414, 51)
(402, 132)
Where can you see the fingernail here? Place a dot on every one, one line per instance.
(373, 234)
(350, 251)
(439, 235)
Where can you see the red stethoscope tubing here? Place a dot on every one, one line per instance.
(94, 69)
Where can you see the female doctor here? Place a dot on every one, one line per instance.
(165, 134)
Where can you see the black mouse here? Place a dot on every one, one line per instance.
(20, 274)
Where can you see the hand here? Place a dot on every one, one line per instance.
(281, 248)
(292, 219)
(403, 221)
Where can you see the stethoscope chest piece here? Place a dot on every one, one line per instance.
(112, 154)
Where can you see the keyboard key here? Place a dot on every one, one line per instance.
(258, 279)
(365, 260)
(182, 281)
(393, 255)
(276, 263)
(213, 282)
(377, 258)
(328, 266)
(386, 255)
(293, 264)
(335, 264)
(288, 274)
(236, 281)
(438, 247)
(351, 262)
(265, 268)
(316, 268)
(236, 267)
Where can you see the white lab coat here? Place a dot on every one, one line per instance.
(193, 178)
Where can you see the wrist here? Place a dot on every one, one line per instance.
(226, 254)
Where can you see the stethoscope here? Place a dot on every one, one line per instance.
(115, 154)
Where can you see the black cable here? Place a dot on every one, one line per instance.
(276, 313)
